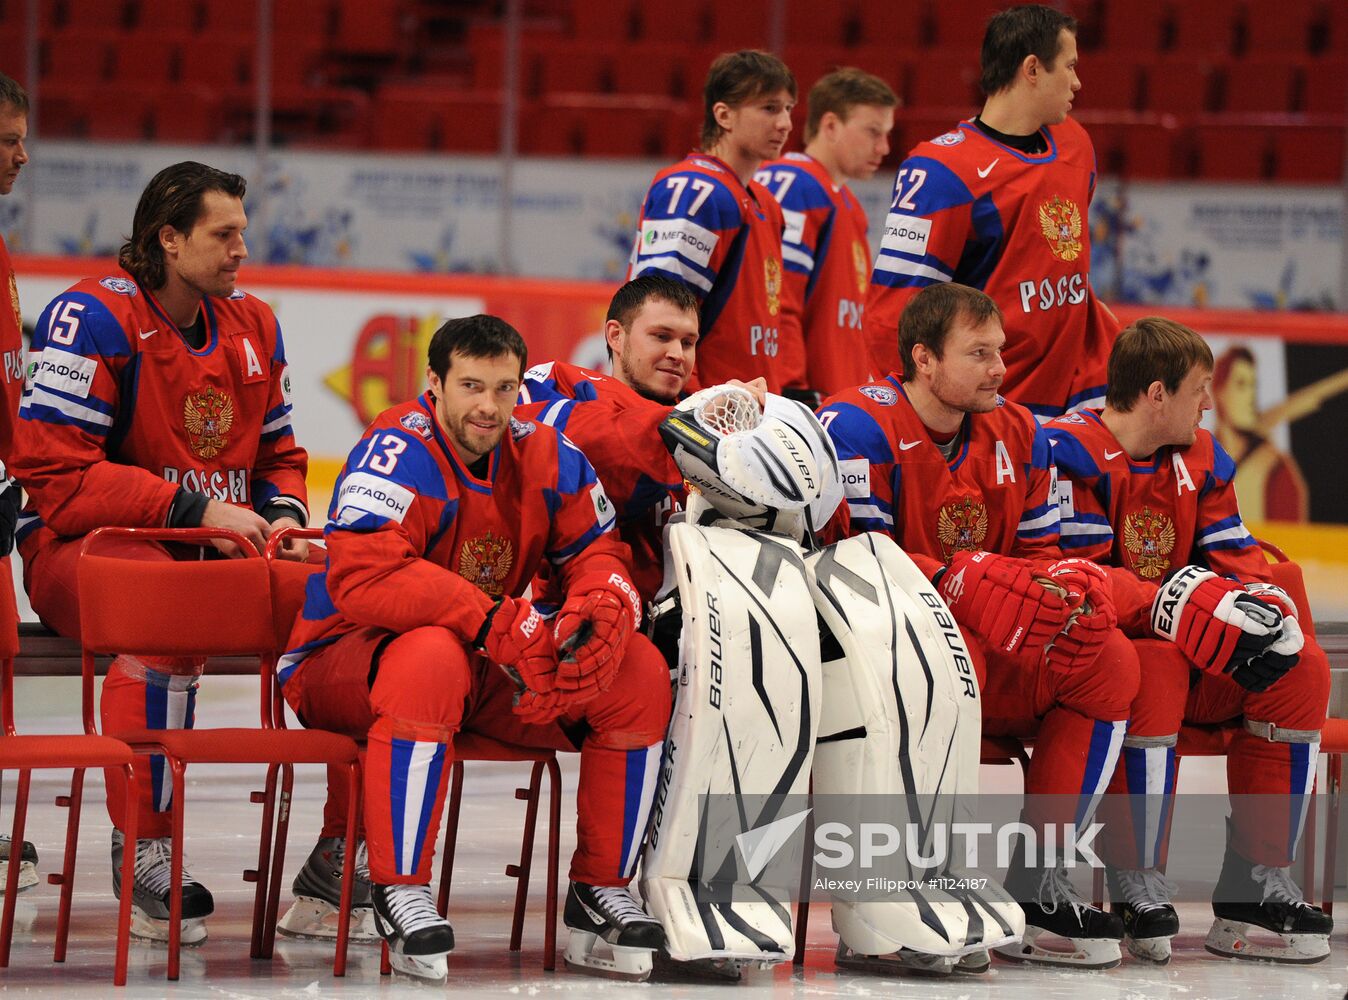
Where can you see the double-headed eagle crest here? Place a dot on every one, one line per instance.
(485, 562)
(1149, 537)
(208, 415)
(772, 279)
(1060, 221)
(961, 526)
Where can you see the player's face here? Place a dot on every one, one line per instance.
(207, 258)
(862, 141)
(969, 373)
(759, 128)
(1183, 410)
(13, 153)
(655, 355)
(474, 401)
(1058, 86)
(1237, 398)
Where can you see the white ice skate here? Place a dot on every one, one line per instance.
(1061, 928)
(150, 892)
(1280, 927)
(611, 935)
(27, 864)
(1141, 899)
(419, 939)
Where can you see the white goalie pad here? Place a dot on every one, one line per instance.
(901, 720)
(745, 718)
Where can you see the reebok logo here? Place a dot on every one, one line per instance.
(984, 171)
(760, 845)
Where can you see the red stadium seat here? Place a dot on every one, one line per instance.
(565, 66)
(960, 23)
(674, 22)
(810, 23)
(368, 29)
(602, 20)
(1134, 26)
(145, 57)
(1109, 82)
(1204, 27)
(1135, 151)
(944, 79)
(233, 20)
(1322, 89)
(1180, 85)
(1234, 153)
(186, 114)
(167, 15)
(91, 14)
(1283, 26)
(78, 55)
(1310, 154)
(883, 24)
(648, 68)
(1260, 84)
(743, 24)
(223, 65)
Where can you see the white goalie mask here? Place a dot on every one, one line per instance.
(749, 463)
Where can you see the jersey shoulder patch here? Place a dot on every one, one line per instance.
(120, 286)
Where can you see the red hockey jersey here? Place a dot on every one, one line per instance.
(415, 538)
(618, 430)
(119, 412)
(828, 266)
(1149, 517)
(968, 209)
(700, 226)
(11, 353)
(998, 493)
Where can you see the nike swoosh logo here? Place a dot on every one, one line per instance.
(905, 445)
(144, 334)
(1111, 455)
(984, 171)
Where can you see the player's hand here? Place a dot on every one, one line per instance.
(515, 636)
(540, 709)
(247, 522)
(1271, 593)
(997, 598)
(596, 623)
(758, 388)
(1216, 623)
(294, 547)
(1084, 586)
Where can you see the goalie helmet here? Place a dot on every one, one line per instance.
(745, 463)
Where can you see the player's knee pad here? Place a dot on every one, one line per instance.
(1299, 699)
(1106, 687)
(1158, 709)
(424, 675)
(634, 712)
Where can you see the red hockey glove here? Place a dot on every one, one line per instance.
(596, 623)
(997, 598)
(540, 709)
(1217, 624)
(1084, 586)
(515, 636)
(1271, 593)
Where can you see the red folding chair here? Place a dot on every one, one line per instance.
(78, 751)
(155, 608)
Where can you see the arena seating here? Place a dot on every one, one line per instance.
(425, 75)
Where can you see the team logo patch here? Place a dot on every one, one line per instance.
(961, 526)
(208, 415)
(772, 279)
(485, 562)
(1149, 538)
(14, 301)
(70, 373)
(1060, 222)
(882, 394)
(521, 429)
(861, 261)
(119, 285)
(603, 506)
(951, 138)
(417, 422)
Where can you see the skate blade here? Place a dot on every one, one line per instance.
(975, 963)
(27, 875)
(698, 970)
(901, 961)
(148, 928)
(316, 920)
(1078, 953)
(432, 968)
(590, 954)
(1232, 939)
(1155, 950)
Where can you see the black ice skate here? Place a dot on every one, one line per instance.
(1141, 898)
(1061, 928)
(418, 937)
(27, 864)
(1260, 913)
(318, 893)
(150, 892)
(610, 932)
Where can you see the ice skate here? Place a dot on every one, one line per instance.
(611, 934)
(1061, 928)
(419, 939)
(1141, 899)
(318, 893)
(27, 864)
(1260, 914)
(150, 892)
(905, 960)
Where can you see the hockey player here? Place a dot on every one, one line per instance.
(442, 515)
(1147, 491)
(156, 396)
(13, 156)
(708, 224)
(964, 481)
(1000, 203)
(824, 246)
